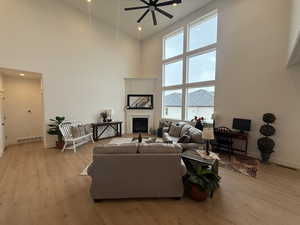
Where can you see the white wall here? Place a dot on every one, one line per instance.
(83, 64)
(22, 95)
(252, 77)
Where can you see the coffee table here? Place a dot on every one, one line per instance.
(147, 140)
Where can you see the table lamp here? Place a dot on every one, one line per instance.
(208, 135)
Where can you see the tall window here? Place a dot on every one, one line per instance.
(189, 70)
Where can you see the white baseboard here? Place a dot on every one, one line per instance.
(276, 161)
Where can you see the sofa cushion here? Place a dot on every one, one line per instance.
(184, 139)
(169, 139)
(192, 146)
(175, 131)
(196, 135)
(130, 148)
(184, 129)
(75, 131)
(164, 123)
(160, 148)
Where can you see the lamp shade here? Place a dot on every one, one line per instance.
(208, 134)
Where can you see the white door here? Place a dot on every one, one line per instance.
(2, 125)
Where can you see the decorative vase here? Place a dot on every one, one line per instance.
(140, 139)
(266, 144)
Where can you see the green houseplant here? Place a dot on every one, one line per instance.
(202, 183)
(54, 130)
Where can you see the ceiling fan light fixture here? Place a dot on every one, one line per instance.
(153, 6)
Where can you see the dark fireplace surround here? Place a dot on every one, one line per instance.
(140, 125)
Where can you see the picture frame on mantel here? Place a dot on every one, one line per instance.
(141, 102)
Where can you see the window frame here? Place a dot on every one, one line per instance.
(163, 72)
(172, 34)
(184, 57)
(201, 19)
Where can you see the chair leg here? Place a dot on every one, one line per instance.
(74, 146)
(92, 139)
(65, 145)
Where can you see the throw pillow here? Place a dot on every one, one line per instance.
(185, 129)
(184, 139)
(75, 132)
(196, 135)
(175, 131)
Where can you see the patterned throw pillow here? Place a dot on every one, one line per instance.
(175, 131)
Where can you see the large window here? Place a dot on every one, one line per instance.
(173, 44)
(189, 70)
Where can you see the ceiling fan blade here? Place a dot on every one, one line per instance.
(164, 13)
(156, 1)
(142, 17)
(134, 8)
(154, 18)
(169, 3)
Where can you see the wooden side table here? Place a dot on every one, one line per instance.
(191, 156)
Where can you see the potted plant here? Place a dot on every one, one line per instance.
(202, 183)
(54, 130)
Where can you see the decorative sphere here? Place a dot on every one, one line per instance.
(266, 144)
(269, 118)
(267, 130)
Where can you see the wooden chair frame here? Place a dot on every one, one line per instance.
(71, 142)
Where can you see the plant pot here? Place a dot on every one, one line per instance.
(60, 144)
(196, 194)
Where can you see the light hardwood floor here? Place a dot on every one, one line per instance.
(43, 186)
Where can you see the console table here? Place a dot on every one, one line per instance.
(115, 125)
(243, 137)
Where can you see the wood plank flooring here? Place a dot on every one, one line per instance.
(43, 186)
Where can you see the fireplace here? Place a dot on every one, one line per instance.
(140, 125)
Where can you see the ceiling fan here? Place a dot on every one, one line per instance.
(152, 6)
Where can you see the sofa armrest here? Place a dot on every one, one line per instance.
(183, 168)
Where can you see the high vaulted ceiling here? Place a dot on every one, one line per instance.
(112, 12)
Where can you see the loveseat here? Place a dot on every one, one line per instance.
(137, 171)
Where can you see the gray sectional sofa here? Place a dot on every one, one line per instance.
(137, 171)
(195, 136)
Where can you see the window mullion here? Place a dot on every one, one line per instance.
(185, 40)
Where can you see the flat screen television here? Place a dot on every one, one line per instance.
(241, 124)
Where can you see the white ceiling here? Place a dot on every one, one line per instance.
(16, 73)
(112, 12)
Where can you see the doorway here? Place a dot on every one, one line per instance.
(22, 116)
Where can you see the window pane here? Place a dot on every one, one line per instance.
(203, 33)
(202, 67)
(172, 102)
(200, 103)
(173, 73)
(173, 45)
